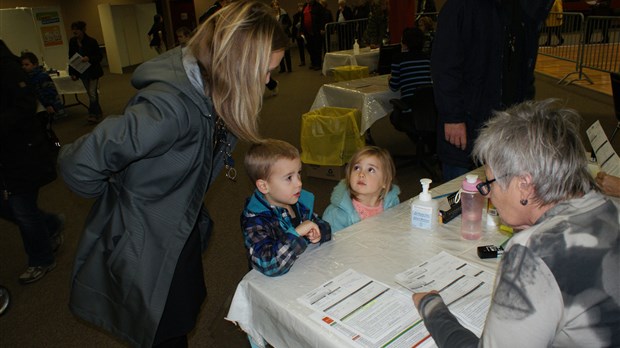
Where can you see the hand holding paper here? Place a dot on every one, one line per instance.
(78, 63)
(606, 157)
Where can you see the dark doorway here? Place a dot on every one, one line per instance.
(182, 14)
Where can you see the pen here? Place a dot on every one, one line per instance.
(503, 245)
(444, 195)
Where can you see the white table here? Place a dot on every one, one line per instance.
(380, 247)
(66, 86)
(371, 95)
(366, 57)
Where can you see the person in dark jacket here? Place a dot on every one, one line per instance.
(43, 85)
(328, 17)
(156, 34)
(26, 164)
(483, 59)
(297, 33)
(312, 24)
(285, 21)
(138, 270)
(346, 31)
(88, 49)
(599, 8)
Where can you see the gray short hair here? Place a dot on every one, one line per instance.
(539, 138)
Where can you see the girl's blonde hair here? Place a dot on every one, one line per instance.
(385, 161)
(233, 48)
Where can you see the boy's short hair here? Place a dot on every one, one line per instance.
(261, 156)
(413, 38)
(31, 57)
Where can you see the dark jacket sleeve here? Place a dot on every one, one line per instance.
(443, 325)
(285, 20)
(448, 64)
(90, 49)
(19, 100)
(46, 90)
(26, 160)
(347, 13)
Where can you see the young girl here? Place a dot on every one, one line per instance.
(367, 189)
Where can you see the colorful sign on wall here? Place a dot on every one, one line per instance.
(51, 35)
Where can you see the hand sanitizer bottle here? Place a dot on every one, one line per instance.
(425, 210)
(356, 47)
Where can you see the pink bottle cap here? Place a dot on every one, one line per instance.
(470, 182)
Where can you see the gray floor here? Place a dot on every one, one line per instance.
(39, 316)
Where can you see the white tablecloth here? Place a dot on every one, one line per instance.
(365, 57)
(371, 95)
(66, 86)
(379, 247)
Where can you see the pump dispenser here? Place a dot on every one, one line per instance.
(356, 47)
(425, 210)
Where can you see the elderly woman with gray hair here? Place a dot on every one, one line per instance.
(558, 283)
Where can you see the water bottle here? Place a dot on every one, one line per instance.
(471, 205)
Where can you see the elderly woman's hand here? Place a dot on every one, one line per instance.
(609, 184)
(418, 296)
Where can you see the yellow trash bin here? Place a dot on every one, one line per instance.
(349, 72)
(330, 136)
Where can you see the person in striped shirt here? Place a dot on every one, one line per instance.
(413, 69)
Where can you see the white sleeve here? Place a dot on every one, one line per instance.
(527, 306)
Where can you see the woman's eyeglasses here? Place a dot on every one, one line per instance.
(485, 187)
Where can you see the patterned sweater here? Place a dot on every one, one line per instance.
(269, 235)
(45, 89)
(558, 284)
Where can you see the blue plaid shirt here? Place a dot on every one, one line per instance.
(269, 235)
(45, 88)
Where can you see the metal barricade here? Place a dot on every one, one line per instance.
(601, 49)
(341, 36)
(592, 43)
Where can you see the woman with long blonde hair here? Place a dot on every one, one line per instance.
(138, 270)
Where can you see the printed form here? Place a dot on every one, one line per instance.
(76, 63)
(371, 314)
(606, 157)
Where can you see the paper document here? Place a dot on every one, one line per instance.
(371, 314)
(465, 288)
(367, 312)
(606, 156)
(76, 63)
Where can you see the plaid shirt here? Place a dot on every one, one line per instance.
(271, 240)
(44, 88)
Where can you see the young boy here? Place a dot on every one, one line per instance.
(183, 36)
(278, 220)
(43, 85)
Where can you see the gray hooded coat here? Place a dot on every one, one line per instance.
(149, 170)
